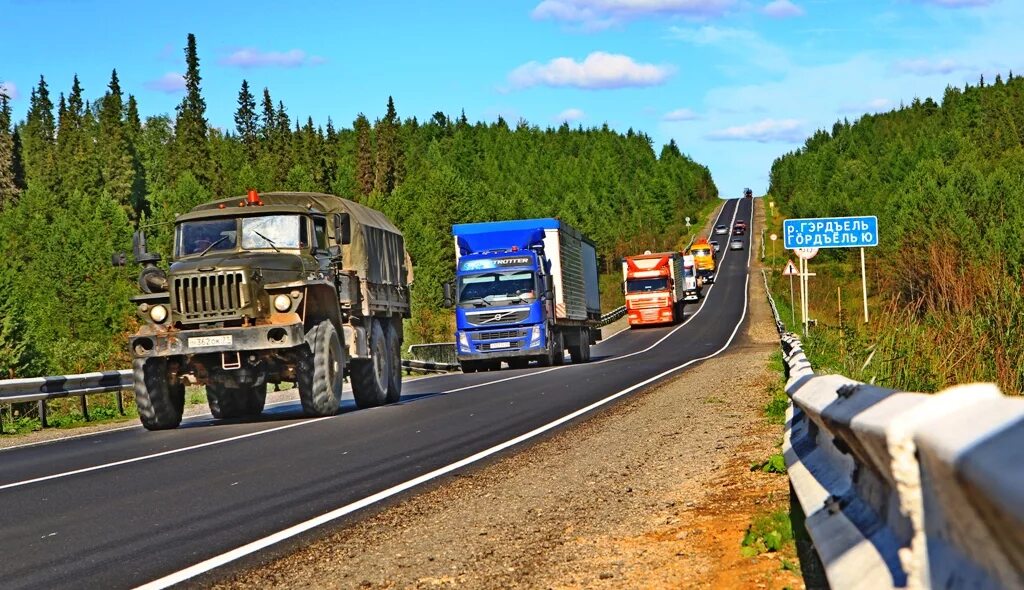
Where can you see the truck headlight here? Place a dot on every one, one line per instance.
(158, 313)
(463, 342)
(282, 303)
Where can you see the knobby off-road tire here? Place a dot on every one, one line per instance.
(235, 402)
(321, 370)
(394, 341)
(159, 403)
(370, 377)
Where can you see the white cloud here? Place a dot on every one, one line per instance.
(875, 105)
(9, 89)
(254, 58)
(763, 131)
(927, 67)
(680, 115)
(169, 83)
(743, 45)
(600, 14)
(599, 70)
(782, 9)
(570, 115)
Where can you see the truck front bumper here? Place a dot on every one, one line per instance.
(216, 340)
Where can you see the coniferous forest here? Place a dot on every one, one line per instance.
(947, 184)
(84, 169)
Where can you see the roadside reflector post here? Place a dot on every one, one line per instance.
(42, 413)
(864, 284)
(792, 298)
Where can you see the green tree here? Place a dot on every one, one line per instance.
(246, 124)
(191, 140)
(8, 182)
(364, 155)
(119, 168)
(38, 140)
(389, 151)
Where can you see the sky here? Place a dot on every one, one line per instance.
(736, 83)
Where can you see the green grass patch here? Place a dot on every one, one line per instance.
(767, 533)
(774, 464)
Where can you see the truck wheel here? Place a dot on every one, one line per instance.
(320, 371)
(159, 403)
(394, 341)
(235, 402)
(370, 377)
(558, 352)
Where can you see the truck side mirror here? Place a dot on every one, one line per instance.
(142, 256)
(448, 299)
(343, 229)
(119, 259)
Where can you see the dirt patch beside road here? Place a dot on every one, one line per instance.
(655, 492)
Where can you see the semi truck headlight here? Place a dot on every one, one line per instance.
(463, 342)
(158, 313)
(535, 337)
(282, 303)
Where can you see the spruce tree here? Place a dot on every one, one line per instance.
(364, 155)
(37, 138)
(388, 151)
(8, 184)
(76, 146)
(245, 121)
(118, 165)
(191, 141)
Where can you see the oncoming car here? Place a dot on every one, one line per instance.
(736, 244)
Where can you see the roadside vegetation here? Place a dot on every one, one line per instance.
(947, 184)
(84, 168)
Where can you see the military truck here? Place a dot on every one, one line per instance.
(269, 287)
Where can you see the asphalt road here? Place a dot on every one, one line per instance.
(131, 507)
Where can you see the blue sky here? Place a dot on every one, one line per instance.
(735, 82)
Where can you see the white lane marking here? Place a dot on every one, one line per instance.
(302, 527)
(270, 430)
(160, 454)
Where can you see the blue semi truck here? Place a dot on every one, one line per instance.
(524, 290)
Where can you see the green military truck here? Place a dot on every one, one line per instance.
(300, 287)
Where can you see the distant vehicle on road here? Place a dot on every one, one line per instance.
(657, 287)
(747, 193)
(739, 230)
(704, 258)
(736, 245)
(740, 223)
(721, 230)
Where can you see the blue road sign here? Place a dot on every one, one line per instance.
(830, 232)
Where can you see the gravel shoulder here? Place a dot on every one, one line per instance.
(653, 492)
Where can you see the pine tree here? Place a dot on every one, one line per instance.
(364, 155)
(118, 164)
(77, 162)
(191, 140)
(38, 140)
(389, 151)
(245, 121)
(8, 183)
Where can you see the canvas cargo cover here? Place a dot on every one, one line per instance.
(377, 249)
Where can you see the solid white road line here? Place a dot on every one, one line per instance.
(250, 548)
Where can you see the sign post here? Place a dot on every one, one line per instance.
(805, 254)
(773, 238)
(791, 271)
(834, 232)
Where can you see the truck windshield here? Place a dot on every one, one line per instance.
(196, 237)
(644, 285)
(271, 232)
(701, 252)
(496, 288)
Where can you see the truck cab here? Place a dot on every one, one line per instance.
(704, 259)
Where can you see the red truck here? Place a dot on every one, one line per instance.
(658, 285)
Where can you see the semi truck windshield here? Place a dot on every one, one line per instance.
(489, 288)
(643, 285)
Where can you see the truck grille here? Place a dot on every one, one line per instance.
(497, 317)
(210, 296)
(500, 335)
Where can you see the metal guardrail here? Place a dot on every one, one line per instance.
(906, 490)
(613, 315)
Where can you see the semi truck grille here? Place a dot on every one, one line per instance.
(497, 317)
(499, 335)
(210, 296)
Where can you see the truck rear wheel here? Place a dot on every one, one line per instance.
(235, 402)
(394, 340)
(370, 376)
(320, 371)
(159, 403)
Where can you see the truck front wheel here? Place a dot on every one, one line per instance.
(370, 376)
(320, 371)
(235, 402)
(159, 403)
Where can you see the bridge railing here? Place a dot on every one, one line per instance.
(906, 490)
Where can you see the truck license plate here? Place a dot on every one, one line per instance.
(205, 341)
(500, 345)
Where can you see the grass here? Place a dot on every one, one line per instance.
(768, 533)
(773, 464)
